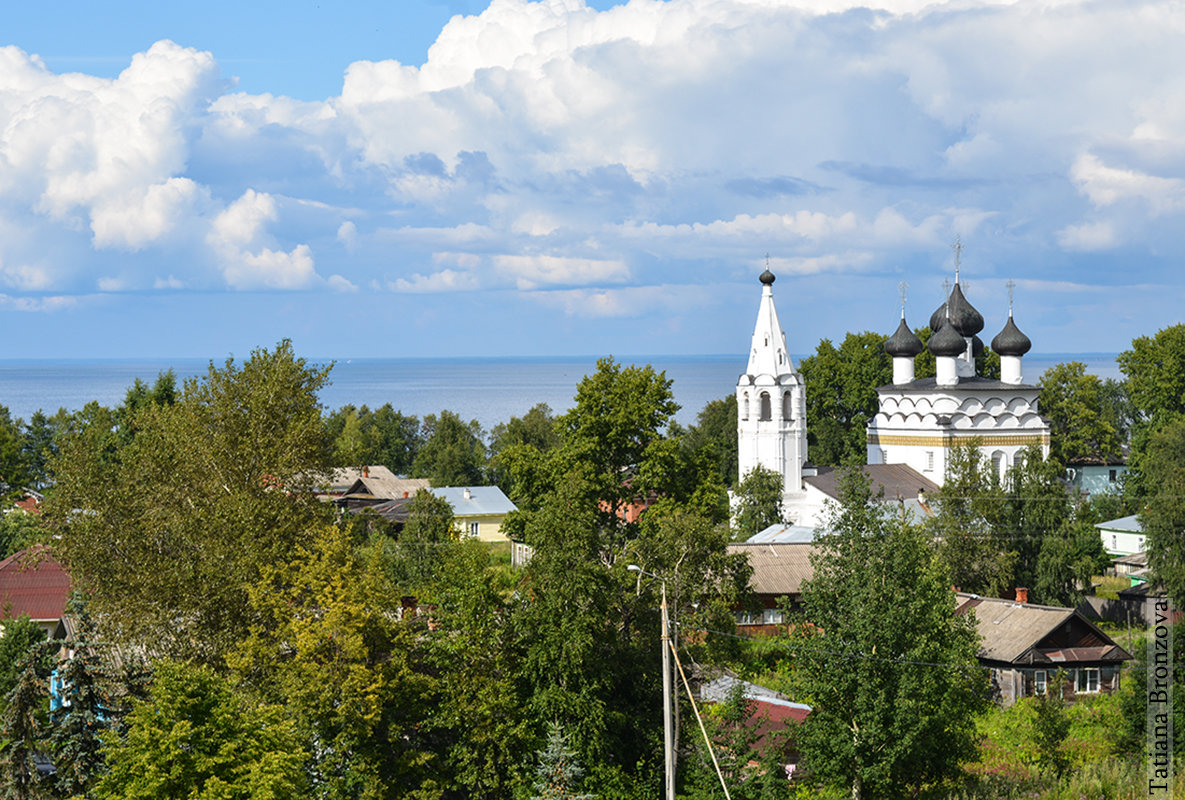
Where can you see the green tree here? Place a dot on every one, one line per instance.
(714, 435)
(1155, 371)
(758, 503)
(1051, 727)
(452, 453)
(166, 533)
(23, 726)
(558, 773)
(977, 557)
(1080, 422)
(87, 710)
(19, 530)
(893, 676)
(331, 647)
(417, 556)
(20, 635)
(198, 738)
(619, 412)
(1161, 470)
(38, 447)
(841, 396)
(14, 473)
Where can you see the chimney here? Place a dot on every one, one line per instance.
(1022, 594)
(366, 472)
(468, 494)
(405, 494)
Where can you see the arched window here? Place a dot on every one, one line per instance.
(999, 463)
(745, 407)
(766, 410)
(787, 406)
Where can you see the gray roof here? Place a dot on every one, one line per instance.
(785, 534)
(717, 691)
(388, 487)
(897, 480)
(1129, 524)
(973, 384)
(778, 568)
(1011, 632)
(481, 500)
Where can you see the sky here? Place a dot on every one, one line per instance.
(518, 178)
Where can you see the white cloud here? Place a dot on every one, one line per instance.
(340, 284)
(532, 271)
(444, 281)
(631, 301)
(1088, 237)
(26, 277)
(1106, 185)
(170, 282)
(109, 283)
(37, 304)
(270, 269)
(146, 215)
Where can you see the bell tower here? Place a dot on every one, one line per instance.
(771, 402)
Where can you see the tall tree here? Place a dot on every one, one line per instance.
(166, 533)
(1080, 422)
(892, 676)
(1155, 371)
(841, 396)
(1161, 468)
(758, 503)
(200, 739)
(452, 453)
(714, 435)
(23, 726)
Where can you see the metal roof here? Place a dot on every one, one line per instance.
(475, 501)
(897, 480)
(32, 582)
(1009, 630)
(1129, 524)
(785, 534)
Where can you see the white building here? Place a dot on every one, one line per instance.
(918, 420)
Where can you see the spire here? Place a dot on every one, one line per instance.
(768, 355)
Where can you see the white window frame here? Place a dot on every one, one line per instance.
(1083, 680)
(474, 529)
(772, 616)
(1040, 682)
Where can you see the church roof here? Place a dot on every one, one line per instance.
(947, 342)
(768, 355)
(897, 480)
(963, 316)
(1010, 341)
(903, 343)
(970, 384)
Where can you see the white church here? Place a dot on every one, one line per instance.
(918, 421)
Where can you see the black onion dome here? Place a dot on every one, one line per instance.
(903, 343)
(938, 318)
(976, 347)
(947, 342)
(767, 278)
(963, 315)
(1010, 341)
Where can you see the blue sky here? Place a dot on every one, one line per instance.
(534, 178)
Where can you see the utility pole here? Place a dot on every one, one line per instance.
(668, 733)
(668, 717)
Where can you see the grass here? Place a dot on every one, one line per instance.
(1109, 586)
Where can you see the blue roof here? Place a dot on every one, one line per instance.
(1129, 523)
(482, 500)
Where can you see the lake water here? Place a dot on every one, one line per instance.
(490, 390)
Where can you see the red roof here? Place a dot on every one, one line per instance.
(33, 582)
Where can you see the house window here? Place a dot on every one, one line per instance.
(1088, 680)
(787, 406)
(929, 461)
(745, 407)
(884, 456)
(745, 618)
(1114, 541)
(1039, 682)
(766, 409)
(474, 527)
(772, 616)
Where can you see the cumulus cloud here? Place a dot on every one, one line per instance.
(631, 301)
